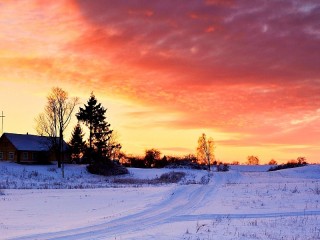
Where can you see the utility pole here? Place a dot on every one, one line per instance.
(2, 116)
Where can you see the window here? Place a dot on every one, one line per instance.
(25, 156)
(1, 155)
(11, 155)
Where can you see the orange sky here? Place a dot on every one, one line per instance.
(244, 72)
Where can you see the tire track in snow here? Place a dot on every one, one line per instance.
(242, 215)
(179, 206)
(184, 199)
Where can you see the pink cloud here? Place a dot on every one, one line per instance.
(237, 66)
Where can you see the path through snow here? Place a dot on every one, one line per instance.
(232, 195)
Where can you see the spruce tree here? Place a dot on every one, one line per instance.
(77, 144)
(93, 116)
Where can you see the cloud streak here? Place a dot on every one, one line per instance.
(232, 66)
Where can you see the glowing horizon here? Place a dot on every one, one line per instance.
(246, 74)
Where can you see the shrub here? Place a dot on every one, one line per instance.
(205, 179)
(166, 178)
(52, 169)
(223, 167)
(316, 190)
(187, 164)
(107, 168)
(136, 162)
(290, 164)
(33, 174)
(133, 181)
(171, 177)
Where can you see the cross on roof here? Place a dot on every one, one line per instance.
(2, 116)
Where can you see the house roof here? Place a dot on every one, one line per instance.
(28, 142)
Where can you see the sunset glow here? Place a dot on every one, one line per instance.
(247, 73)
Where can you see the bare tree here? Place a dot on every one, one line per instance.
(205, 150)
(151, 156)
(56, 118)
(253, 160)
(272, 162)
(302, 160)
(114, 147)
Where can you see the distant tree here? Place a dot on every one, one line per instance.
(253, 160)
(302, 160)
(122, 158)
(136, 162)
(93, 116)
(77, 144)
(151, 156)
(189, 158)
(272, 162)
(56, 118)
(161, 163)
(205, 150)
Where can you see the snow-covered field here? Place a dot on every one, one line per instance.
(245, 203)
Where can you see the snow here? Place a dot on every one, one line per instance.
(245, 203)
(28, 142)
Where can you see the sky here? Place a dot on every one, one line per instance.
(244, 72)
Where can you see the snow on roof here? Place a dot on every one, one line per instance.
(28, 142)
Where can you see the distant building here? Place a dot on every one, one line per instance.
(27, 148)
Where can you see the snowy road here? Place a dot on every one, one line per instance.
(184, 199)
(170, 210)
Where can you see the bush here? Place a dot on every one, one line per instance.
(187, 164)
(133, 181)
(171, 177)
(290, 164)
(223, 167)
(316, 190)
(136, 162)
(166, 178)
(107, 168)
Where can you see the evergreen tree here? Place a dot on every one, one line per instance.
(93, 116)
(77, 144)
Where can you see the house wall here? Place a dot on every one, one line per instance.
(6, 147)
(26, 156)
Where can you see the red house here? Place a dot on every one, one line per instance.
(26, 148)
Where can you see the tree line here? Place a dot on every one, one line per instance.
(102, 151)
(101, 145)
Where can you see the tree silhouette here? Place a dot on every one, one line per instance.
(56, 118)
(253, 160)
(272, 162)
(77, 144)
(93, 116)
(205, 150)
(151, 156)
